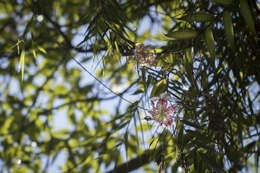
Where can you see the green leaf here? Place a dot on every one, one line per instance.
(60, 89)
(191, 124)
(188, 63)
(223, 2)
(73, 142)
(116, 45)
(246, 13)
(198, 17)
(21, 63)
(42, 49)
(126, 143)
(228, 26)
(181, 34)
(4, 129)
(159, 88)
(18, 47)
(188, 56)
(34, 53)
(210, 42)
(250, 147)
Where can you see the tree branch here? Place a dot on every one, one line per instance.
(145, 158)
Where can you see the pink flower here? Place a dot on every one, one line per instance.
(143, 57)
(161, 112)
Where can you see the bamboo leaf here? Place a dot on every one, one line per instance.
(246, 13)
(159, 88)
(21, 63)
(228, 26)
(42, 49)
(18, 48)
(116, 45)
(181, 34)
(210, 42)
(34, 53)
(189, 123)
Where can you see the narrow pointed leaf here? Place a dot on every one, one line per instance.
(42, 49)
(246, 13)
(21, 63)
(228, 26)
(159, 88)
(181, 34)
(210, 42)
(34, 53)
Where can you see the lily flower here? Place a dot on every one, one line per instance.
(143, 57)
(161, 112)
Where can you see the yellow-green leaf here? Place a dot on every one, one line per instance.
(210, 41)
(181, 34)
(228, 26)
(175, 77)
(18, 48)
(6, 125)
(159, 88)
(42, 49)
(34, 53)
(188, 56)
(117, 49)
(246, 13)
(21, 63)
(60, 89)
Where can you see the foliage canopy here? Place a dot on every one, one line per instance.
(207, 61)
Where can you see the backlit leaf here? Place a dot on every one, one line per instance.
(21, 63)
(159, 88)
(181, 34)
(42, 49)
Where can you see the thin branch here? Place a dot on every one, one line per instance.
(75, 101)
(145, 158)
(104, 85)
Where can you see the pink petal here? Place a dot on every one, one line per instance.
(171, 109)
(169, 122)
(162, 103)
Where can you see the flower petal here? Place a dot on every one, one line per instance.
(171, 109)
(169, 122)
(162, 104)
